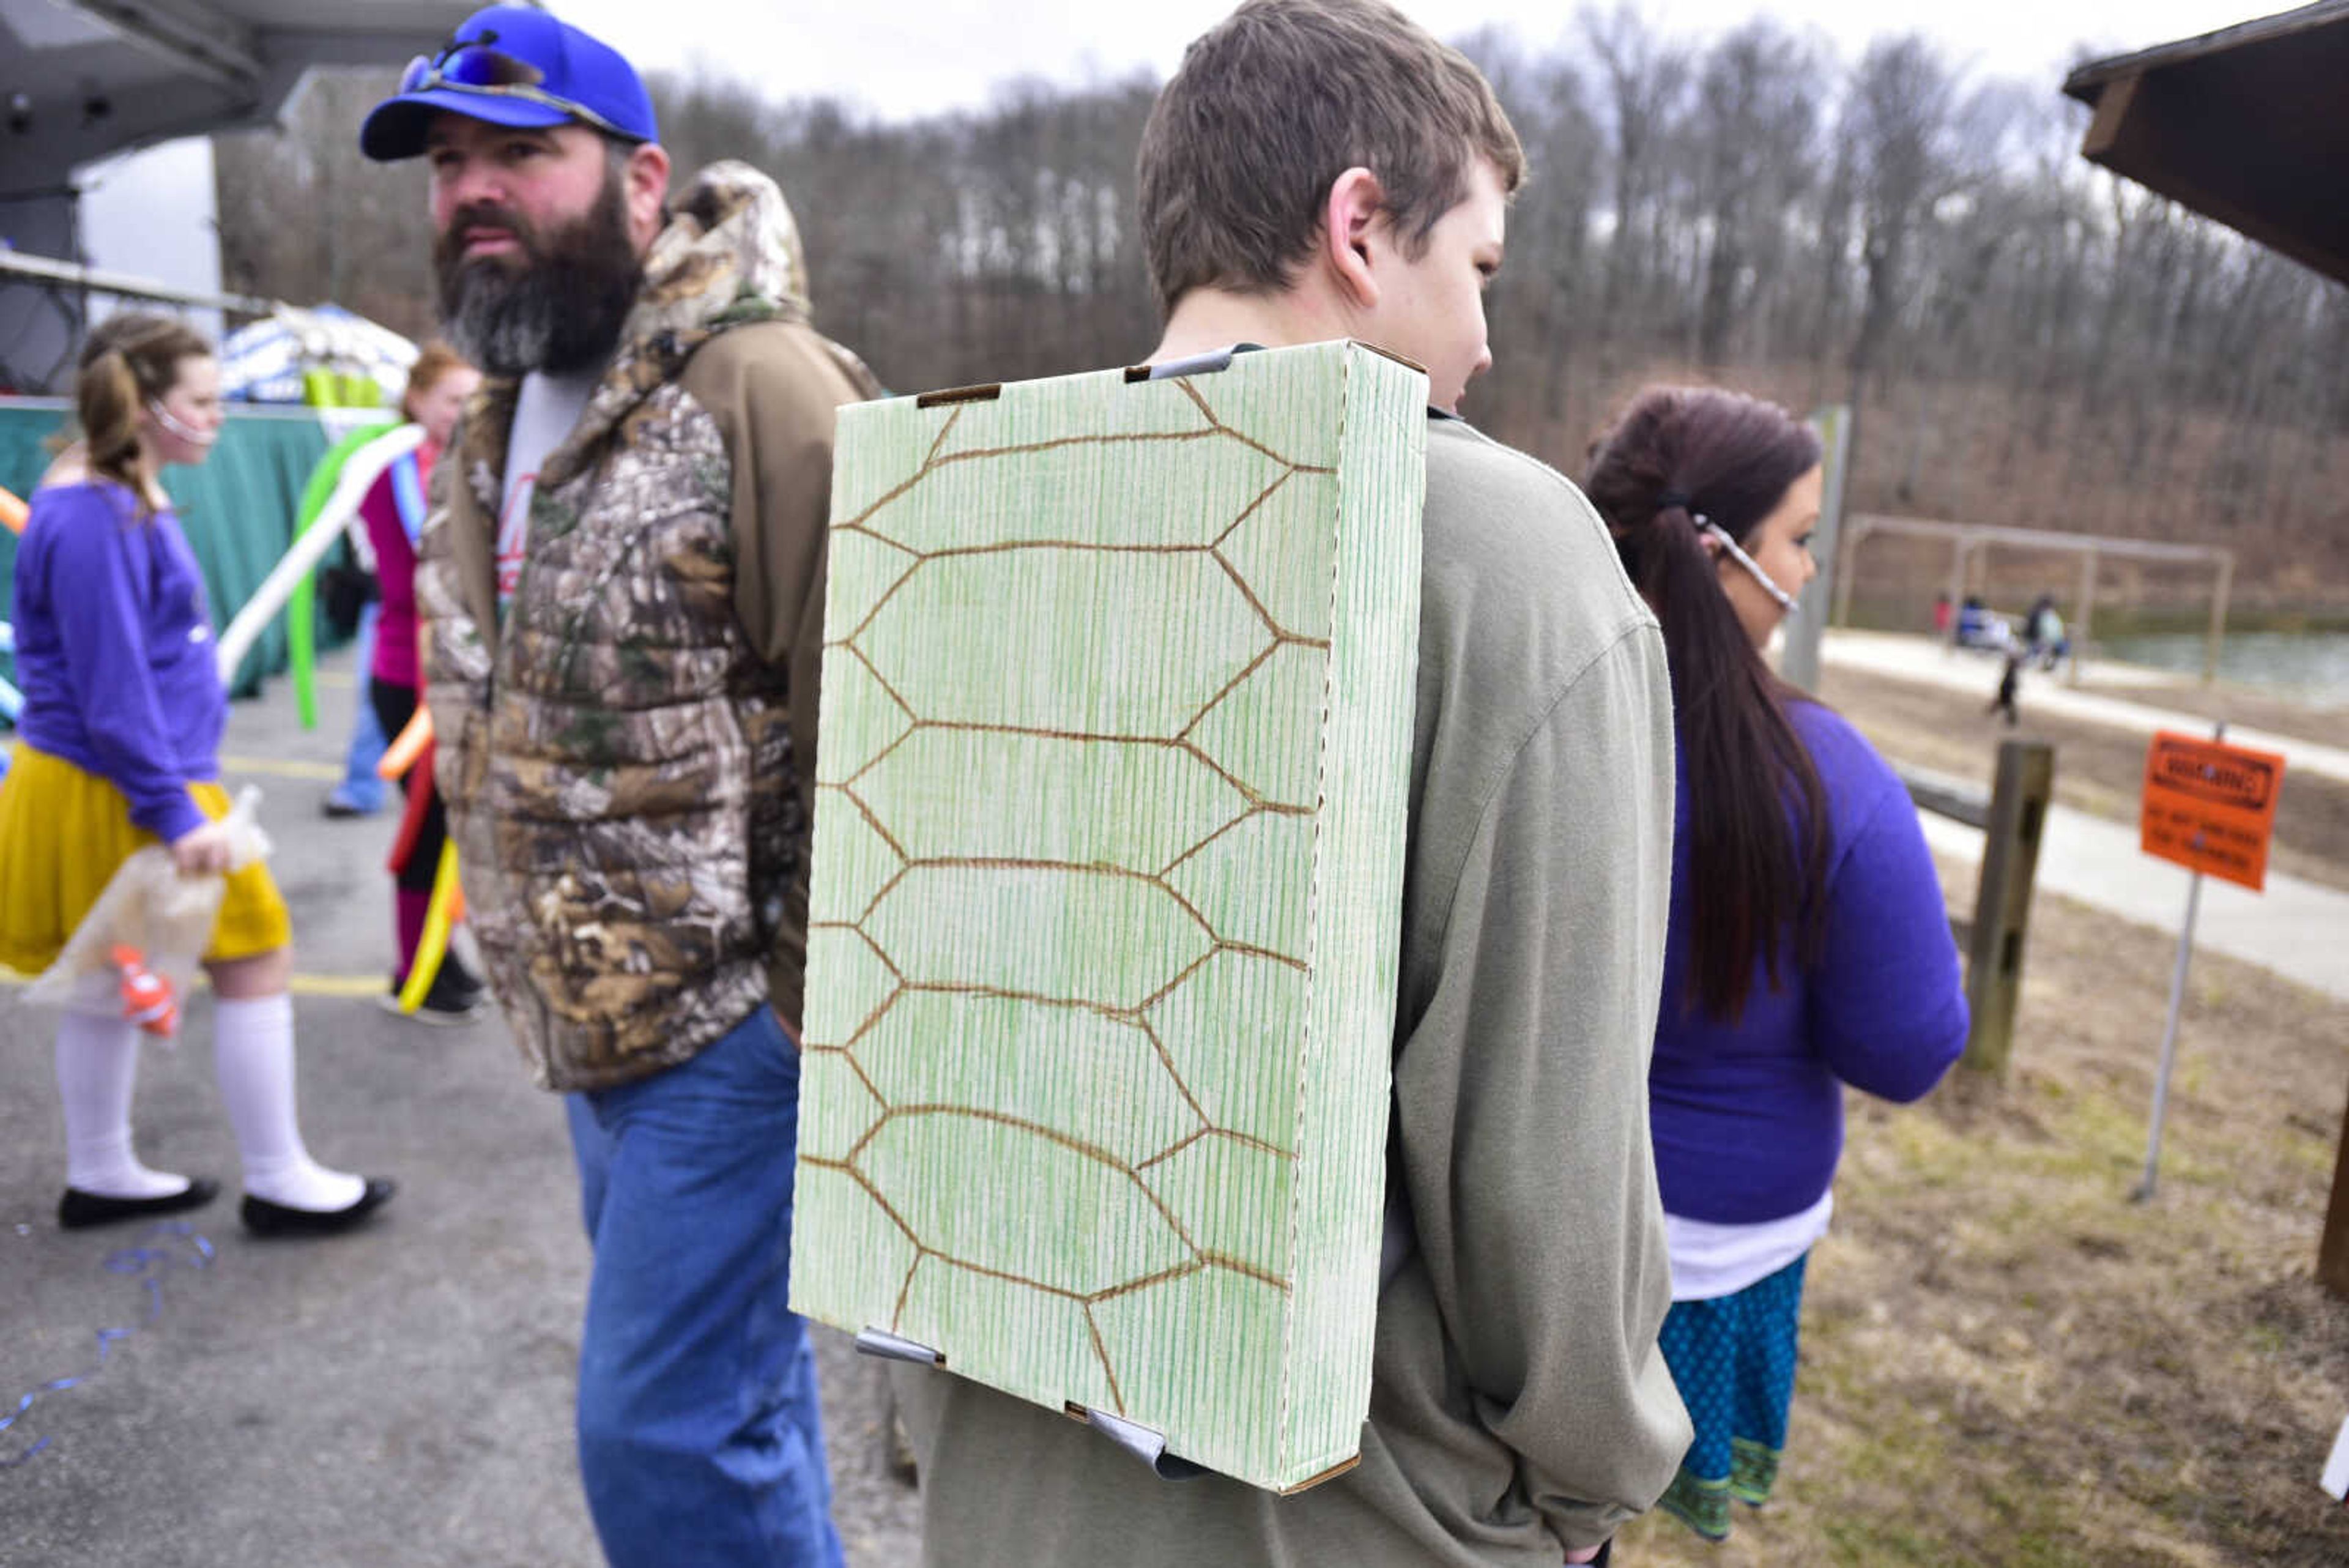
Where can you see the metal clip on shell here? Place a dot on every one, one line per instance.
(894, 1347)
(1139, 1440)
(1206, 364)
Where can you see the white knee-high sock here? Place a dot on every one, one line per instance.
(253, 1054)
(98, 1063)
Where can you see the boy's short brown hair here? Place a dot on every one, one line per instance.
(1275, 103)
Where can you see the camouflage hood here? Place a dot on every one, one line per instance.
(731, 254)
(623, 759)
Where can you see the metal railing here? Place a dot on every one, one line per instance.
(1970, 544)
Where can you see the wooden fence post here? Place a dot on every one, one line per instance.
(1957, 590)
(2218, 634)
(1800, 651)
(2010, 863)
(2085, 617)
(2333, 1253)
(1855, 529)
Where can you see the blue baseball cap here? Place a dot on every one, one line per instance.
(512, 65)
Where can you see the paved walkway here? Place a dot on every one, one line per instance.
(2295, 928)
(399, 1398)
(1976, 674)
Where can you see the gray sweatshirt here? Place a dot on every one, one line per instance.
(1518, 1405)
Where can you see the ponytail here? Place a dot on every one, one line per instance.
(128, 361)
(107, 403)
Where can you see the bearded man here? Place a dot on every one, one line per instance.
(621, 584)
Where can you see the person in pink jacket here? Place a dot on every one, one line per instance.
(438, 386)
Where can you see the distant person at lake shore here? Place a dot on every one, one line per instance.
(1978, 625)
(2043, 632)
(2010, 685)
(1808, 948)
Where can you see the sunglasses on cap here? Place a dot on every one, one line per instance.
(471, 66)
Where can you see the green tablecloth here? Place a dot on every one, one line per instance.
(238, 508)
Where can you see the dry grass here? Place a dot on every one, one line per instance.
(2006, 1362)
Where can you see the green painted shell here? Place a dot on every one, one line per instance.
(1112, 769)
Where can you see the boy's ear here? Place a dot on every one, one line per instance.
(1347, 214)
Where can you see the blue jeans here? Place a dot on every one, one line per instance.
(361, 790)
(699, 1441)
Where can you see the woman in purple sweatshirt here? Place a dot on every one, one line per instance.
(1808, 946)
(118, 747)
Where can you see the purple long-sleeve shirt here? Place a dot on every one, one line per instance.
(114, 649)
(1748, 1118)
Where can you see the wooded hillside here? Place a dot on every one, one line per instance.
(2030, 340)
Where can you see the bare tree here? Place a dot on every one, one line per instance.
(2024, 338)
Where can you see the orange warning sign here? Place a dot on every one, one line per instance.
(2210, 806)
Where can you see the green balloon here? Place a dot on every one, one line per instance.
(301, 608)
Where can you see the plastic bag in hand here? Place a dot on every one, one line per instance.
(148, 906)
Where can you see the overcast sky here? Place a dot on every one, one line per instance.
(152, 213)
(902, 57)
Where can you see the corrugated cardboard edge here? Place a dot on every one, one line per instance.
(1332, 1473)
(1404, 359)
(1313, 920)
(988, 392)
(1357, 390)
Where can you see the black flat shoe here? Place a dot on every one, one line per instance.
(263, 1217)
(79, 1210)
(454, 997)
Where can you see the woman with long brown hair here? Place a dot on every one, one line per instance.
(118, 747)
(1807, 948)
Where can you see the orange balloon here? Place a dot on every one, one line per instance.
(400, 755)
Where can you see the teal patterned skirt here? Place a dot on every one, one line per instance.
(1733, 1358)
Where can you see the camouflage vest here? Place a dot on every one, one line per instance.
(616, 759)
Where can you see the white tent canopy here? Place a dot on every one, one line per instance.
(265, 362)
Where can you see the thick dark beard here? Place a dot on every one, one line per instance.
(562, 314)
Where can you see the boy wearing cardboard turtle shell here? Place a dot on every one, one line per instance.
(1324, 169)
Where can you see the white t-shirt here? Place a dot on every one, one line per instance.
(1712, 1260)
(546, 410)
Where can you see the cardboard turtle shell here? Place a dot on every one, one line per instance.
(1112, 770)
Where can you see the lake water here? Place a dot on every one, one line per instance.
(2313, 665)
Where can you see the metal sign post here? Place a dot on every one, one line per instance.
(2209, 807)
(2145, 1186)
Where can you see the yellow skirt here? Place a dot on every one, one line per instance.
(64, 831)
